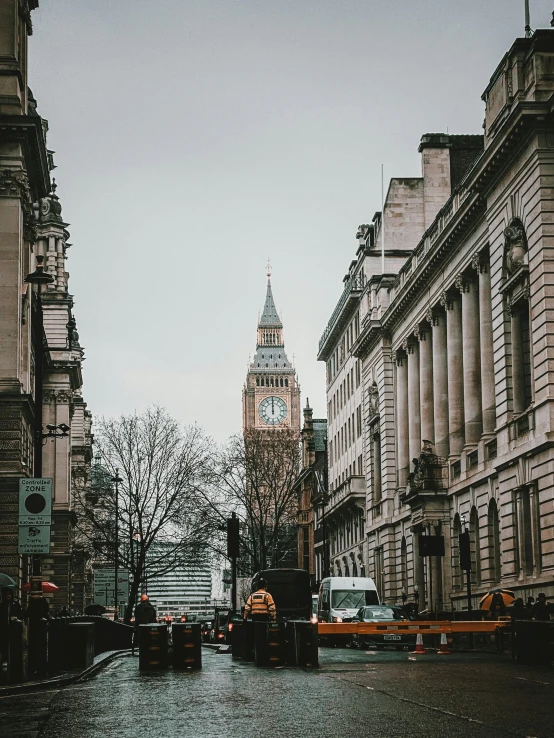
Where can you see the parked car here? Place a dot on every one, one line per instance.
(382, 614)
(205, 630)
(218, 633)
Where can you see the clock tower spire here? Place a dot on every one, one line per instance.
(271, 394)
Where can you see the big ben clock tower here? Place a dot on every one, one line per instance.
(271, 394)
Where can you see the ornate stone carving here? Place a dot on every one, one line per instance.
(373, 401)
(428, 468)
(480, 262)
(515, 246)
(29, 226)
(399, 357)
(15, 183)
(446, 300)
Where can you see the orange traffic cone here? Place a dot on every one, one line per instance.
(444, 650)
(419, 644)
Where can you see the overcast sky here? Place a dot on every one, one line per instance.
(195, 138)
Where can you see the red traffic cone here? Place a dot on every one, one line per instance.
(419, 644)
(444, 650)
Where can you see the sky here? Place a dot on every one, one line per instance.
(196, 138)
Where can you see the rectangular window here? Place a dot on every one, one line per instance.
(330, 456)
(352, 380)
(349, 436)
(360, 466)
(348, 385)
(358, 421)
(357, 374)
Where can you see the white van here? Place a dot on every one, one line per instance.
(340, 598)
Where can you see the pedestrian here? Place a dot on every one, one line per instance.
(497, 607)
(518, 611)
(145, 613)
(541, 608)
(529, 607)
(260, 605)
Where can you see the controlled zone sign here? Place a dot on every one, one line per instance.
(35, 516)
(104, 587)
(35, 501)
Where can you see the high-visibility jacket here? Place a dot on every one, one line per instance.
(260, 603)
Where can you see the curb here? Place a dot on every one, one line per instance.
(65, 680)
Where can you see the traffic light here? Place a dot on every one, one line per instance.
(465, 551)
(233, 539)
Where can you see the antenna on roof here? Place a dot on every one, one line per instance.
(268, 268)
(527, 20)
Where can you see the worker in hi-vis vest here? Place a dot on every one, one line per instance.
(260, 605)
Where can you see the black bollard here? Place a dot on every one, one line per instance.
(79, 645)
(15, 651)
(152, 646)
(187, 645)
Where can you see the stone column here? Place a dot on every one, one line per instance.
(488, 396)
(402, 429)
(437, 318)
(455, 373)
(419, 571)
(414, 411)
(423, 333)
(471, 334)
(518, 369)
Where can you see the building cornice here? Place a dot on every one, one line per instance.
(27, 131)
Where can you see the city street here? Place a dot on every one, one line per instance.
(354, 693)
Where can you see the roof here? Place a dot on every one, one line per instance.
(270, 316)
(270, 358)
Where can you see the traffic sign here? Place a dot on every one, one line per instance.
(104, 587)
(33, 539)
(35, 502)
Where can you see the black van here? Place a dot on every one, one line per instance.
(290, 588)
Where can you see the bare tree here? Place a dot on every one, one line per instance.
(163, 516)
(255, 474)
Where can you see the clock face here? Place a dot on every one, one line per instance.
(272, 410)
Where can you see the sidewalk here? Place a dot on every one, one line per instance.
(68, 677)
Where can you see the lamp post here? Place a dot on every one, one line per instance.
(36, 605)
(116, 480)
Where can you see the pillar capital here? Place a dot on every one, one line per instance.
(409, 344)
(480, 262)
(421, 331)
(447, 299)
(465, 282)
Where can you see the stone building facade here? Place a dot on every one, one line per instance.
(31, 226)
(310, 488)
(455, 343)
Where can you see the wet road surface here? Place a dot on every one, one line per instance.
(354, 694)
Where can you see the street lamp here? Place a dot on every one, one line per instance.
(116, 480)
(39, 278)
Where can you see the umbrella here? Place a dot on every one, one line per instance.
(6, 581)
(46, 587)
(507, 595)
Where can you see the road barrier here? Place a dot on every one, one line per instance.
(152, 646)
(187, 645)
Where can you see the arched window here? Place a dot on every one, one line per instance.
(475, 546)
(456, 570)
(257, 381)
(494, 542)
(286, 382)
(354, 569)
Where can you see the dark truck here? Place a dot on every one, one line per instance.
(290, 588)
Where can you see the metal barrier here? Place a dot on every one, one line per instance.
(79, 646)
(269, 643)
(152, 646)
(187, 645)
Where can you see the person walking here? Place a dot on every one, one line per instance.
(518, 611)
(145, 613)
(541, 608)
(260, 605)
